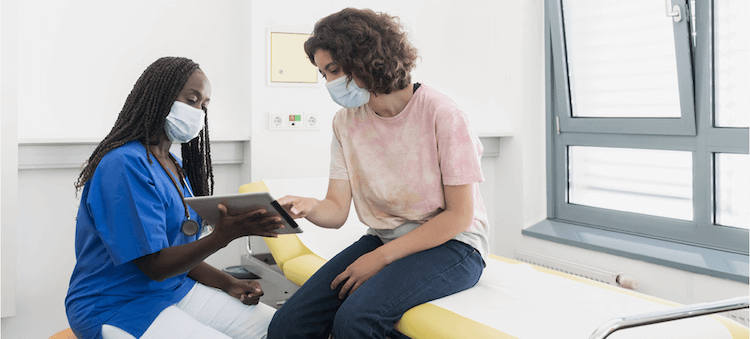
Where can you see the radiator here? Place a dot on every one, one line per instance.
(593, 273)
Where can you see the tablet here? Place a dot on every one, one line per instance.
(207, 207)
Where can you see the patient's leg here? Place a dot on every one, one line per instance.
(309, 313)
(373, 309)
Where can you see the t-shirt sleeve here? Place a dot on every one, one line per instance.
(459, 149)
(338, 163)
(128, 211)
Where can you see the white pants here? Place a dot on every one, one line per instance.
(205, 312)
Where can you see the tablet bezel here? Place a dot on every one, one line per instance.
(207, 207)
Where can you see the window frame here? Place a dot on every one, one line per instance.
(704, 140)
(685, 125)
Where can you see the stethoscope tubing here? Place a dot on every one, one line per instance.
(189, 227)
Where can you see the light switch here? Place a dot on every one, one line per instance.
(289, 62)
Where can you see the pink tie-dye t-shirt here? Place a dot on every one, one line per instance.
(397, 166)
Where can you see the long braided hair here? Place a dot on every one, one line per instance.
(143, 116)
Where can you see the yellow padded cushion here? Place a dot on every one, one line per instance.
(258, 186)
(430, 321)
(286, 246)
(301, 268)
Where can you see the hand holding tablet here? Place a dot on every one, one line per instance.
(207, 208)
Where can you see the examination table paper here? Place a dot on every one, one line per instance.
(523, 302)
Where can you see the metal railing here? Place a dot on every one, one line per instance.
(682, 312)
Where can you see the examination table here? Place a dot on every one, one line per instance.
(511, 300)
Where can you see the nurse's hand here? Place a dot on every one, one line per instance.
(298, 207)
(248, 291)
(255, 222)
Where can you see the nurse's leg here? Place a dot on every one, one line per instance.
(310, 311)
(226, 314)
(373, 309)
(113, 332)
(171, 323)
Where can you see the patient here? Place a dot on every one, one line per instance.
(140, 271)
(406, 155)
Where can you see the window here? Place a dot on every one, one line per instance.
(651, 182)
(648, 116)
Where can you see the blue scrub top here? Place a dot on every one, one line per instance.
(129, 208)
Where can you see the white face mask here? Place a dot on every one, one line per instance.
(348, 95)
(184, 122)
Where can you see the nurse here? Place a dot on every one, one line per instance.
(407, 157)
(140, 271)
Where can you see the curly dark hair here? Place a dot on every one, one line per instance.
(370, 46)
(143, 116)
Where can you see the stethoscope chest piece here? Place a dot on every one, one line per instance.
(190, 227)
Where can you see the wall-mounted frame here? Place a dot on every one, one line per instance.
(287, 64)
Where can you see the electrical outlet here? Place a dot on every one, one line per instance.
(311, 121)
(277, 121)
(294, 121)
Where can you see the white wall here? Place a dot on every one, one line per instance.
(462, 54)
(78, 60)
(8, 155)
(75, 63)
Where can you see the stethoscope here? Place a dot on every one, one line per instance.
(189, 227)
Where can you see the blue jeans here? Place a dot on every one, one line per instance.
(315, 310)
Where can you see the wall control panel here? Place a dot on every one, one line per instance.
(292, 121)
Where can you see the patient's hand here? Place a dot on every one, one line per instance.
(361, 270)
(298, 207)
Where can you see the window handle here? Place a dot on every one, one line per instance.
(674, 12)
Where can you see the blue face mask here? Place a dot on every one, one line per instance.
(348, 95)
